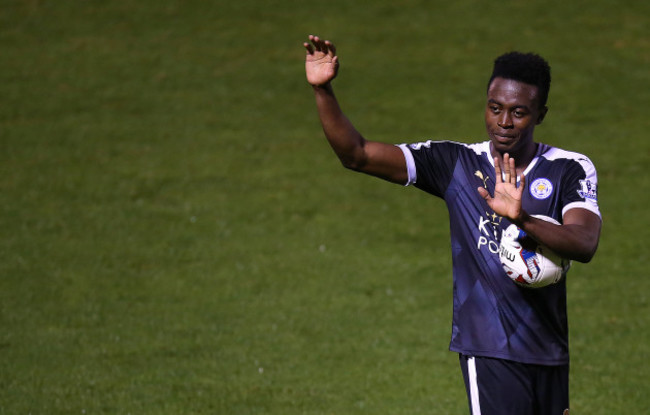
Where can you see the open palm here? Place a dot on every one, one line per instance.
(321, 62)
(507, 196)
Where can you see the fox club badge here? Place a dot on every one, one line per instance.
(541, 188)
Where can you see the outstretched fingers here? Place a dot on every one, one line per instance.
(497, 171)
(321, 62)
(513, 172)
(508, 168)
(506, 200)
(331, 47)
(506, 173)
(313, 44)
(316, 44)
(484, 193)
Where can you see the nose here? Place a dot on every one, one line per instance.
(505, 121)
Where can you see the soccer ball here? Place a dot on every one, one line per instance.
(532, 265)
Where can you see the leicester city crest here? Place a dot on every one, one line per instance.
(541, 188)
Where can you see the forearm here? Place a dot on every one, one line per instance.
(344, 138)
(575, 241)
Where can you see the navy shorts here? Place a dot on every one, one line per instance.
(503, 387)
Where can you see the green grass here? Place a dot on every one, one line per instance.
(178, 238)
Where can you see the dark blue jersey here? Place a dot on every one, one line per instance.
(493, 316)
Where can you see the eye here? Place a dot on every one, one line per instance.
(495, 109)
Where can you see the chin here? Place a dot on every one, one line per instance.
(504, 147)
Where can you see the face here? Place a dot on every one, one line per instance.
(511, 114)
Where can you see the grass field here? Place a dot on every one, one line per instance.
(177, 237)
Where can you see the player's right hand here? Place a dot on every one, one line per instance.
(321, 62)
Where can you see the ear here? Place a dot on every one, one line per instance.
(542, 114)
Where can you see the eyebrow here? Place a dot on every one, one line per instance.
(493, 101)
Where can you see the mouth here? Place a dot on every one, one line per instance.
(503, 138)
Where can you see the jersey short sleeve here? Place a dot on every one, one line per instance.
(579, 181)
(430, 164)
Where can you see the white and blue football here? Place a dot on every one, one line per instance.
(532, 265)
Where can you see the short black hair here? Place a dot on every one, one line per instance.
(529, 68)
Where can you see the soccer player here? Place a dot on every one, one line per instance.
(512, 341)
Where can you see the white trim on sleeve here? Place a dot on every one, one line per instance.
(410, 164)
(589, 205)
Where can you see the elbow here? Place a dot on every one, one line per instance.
(582, 234)
(587, 254)
(352, 163)
(584, 258)
(351, 153)
(352, 166)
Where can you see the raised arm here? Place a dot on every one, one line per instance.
(355, 152)
(577, 238)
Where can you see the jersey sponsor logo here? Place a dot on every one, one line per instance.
(541, 188)
(588, 190)
(488, 227)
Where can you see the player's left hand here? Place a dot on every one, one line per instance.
(507, 196)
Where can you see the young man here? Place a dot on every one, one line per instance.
(512, 341)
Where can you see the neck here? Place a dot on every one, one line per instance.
(522, 156)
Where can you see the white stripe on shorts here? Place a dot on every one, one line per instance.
(473, 386)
